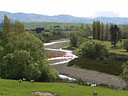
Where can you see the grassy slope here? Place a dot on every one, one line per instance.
(13, 88)
(117, 50)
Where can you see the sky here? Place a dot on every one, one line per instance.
(78, 8)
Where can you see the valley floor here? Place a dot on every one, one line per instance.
(87, 75)
(90, 75)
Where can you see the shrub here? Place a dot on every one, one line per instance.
(92, 49)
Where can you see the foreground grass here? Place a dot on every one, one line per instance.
(14, 88)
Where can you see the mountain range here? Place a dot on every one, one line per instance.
(25, 17)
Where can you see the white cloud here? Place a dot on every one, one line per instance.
(81, 8)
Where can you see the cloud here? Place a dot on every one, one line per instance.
(106, 14)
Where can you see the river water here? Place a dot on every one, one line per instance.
(62, 59)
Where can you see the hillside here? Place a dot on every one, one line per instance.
(25, 17)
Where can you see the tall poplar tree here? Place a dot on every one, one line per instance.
(6, 26)
(106, 32)
(98, 30)
(102, 31)
(19, 27)
(87, 30)
(94, 29)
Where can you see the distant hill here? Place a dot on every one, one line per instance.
(25, 17)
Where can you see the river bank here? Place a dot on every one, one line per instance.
(84, 74)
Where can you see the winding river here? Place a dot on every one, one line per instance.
(62, 59)
(85, 75)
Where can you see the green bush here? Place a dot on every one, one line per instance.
(92, 49)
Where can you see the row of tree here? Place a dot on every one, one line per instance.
(9, 27)
(99, 31)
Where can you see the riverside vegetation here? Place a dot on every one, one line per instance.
(22, 55)
(94, 54)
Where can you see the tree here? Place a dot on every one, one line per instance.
(87, 30)
(102, 31)
(98, 30)
(74, 38)
(115, 34)
(14, 64)
(92, 49)
(82, 27)
(19, 27)
(125, 44)
(94, 29)
(106, 32)
(6, 26)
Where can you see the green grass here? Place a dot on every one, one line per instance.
(13, 88)
(33, 25)
(117, 50)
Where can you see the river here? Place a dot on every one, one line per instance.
(60, 64)
(68, 56)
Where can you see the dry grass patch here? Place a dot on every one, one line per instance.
(43, 94)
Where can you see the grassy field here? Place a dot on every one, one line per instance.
(14, 88)
(117, 50)
(33, 25)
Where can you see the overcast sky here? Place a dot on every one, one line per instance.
(79, 8)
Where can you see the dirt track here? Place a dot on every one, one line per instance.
(88, 75)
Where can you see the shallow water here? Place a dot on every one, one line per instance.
(65, 59)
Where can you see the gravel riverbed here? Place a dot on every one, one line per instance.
(86, 75)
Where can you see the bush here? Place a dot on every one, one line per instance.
(92, 49)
